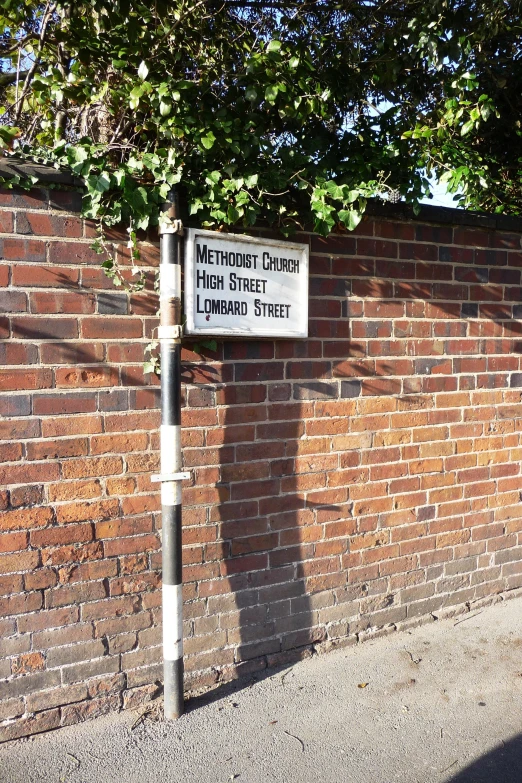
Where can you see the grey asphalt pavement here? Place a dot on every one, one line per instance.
(436, 704)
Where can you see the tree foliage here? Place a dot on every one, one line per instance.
(282, 111)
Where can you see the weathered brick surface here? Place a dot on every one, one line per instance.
(341, 486)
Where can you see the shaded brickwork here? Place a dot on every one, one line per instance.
(360, 480)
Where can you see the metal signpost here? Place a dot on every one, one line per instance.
(237, 286)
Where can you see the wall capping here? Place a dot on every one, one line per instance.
(48, 175)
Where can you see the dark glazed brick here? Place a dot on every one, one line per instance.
(350, 388)
(425, 513)
(335, 243)
(34, 199)
(65, 199)
(445, 254)
(249, 349)
(517, 311)
(15, 405)
(471, 274)
(351, 309)
(62, 404)
(438, 234)
(491, 257)
(469, 310)
(117, 400)
(315, 391)
(201, 398)
(26, 496)
(280, 392)
(505, 276)
(21, 249)
(13, 302)
(145, 399)
(264, 371)
(45, 328)
(516, 380)
(327, 286)
(113, 304)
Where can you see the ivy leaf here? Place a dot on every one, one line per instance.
(100, 182)
(143, 70)
(208, 140)
(467, 127)
(274, 46)
(350, 217)
(232, 214)
(271, 93)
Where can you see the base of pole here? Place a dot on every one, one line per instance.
(173, 704)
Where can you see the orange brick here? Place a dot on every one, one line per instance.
(98, 466)
(26, 518)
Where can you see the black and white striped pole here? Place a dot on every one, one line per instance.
(171, 475)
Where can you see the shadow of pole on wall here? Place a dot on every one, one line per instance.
(278, 524)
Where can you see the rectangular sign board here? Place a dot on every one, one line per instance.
(244, 286)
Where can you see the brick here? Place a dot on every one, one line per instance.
(106, 328)
(13, 542)
(19, 561)
(131, 545)
(20, 604)
(56, 449)
(17, 380)
(28, 662)
(119, 444)
(72, 353)
(27, 518)
(43, 721)
(27, 327)
(75, 632)
(57, 697)
(75, 594)
(89, 377)
(40, 579)
(26, 496)
(92, 511)
(72, 253)
(61, 535)
(47, 225)
(63, 656)
(85, 468)
(113, 607)
(12, 708)
(44, 276)
(17, 405)
(59, 302)
(13, 301)
(74, 425)
(83, 671)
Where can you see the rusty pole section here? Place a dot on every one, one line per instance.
(171, 476)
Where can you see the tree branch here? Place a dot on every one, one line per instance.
(49, 10)
(10, 78)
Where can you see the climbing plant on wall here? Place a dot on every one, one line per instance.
(289, 112)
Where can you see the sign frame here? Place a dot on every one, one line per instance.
(191, 329)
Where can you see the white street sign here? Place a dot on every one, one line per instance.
(245, 286)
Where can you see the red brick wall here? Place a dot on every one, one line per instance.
(364, 479)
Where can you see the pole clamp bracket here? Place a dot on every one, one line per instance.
(171, 226)
(170, 477)
(173, 332)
